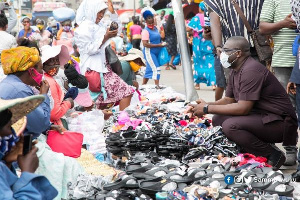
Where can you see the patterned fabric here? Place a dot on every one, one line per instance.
(19, 59)
(296, 11)
(7, 142)
(171, 40)
(204, 71)
(115, 88)
(231, 23)
(274, 11)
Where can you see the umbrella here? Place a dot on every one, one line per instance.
(190, 8)
(167, 10)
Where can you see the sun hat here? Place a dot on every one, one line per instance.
(134, 54)
(20, 125)
(21, 107)
(52, 51)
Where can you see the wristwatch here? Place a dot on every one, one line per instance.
(205, 109)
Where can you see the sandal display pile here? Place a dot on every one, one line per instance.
(164, 153)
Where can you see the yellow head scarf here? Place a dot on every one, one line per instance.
(19, 59)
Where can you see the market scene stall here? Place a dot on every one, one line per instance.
(141, 100)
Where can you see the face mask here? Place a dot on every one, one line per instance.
(224, 60)
(52, 72)
(135, 67)
(151, 26)
(40, 27)
(67, 28)
(36, 76)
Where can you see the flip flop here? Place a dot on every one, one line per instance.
(190, 176)
(123, 182)
(153, 173)
(142, 167)
(280, 188)
(157, 185)
(173, 67)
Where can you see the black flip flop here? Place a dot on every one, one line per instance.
(157, 185)
(272, 189)
(131, 168)
(152, 173)
(123, 182)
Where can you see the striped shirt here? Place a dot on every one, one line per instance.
(232, 24)
(274, 11)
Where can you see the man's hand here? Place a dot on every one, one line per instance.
(198, 109)
(199, 101)
(44, 87)
(29, 162)
(58, 128)
(288, 22)
(291, 88)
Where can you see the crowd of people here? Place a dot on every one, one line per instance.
(52, 68)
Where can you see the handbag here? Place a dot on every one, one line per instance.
(261, 42)
(113, 60)
(69, 143)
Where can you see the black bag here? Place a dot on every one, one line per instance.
(113, 61)
(261, 42)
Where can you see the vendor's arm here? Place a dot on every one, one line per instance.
(267, 26)
(216, 31)
(12, 20)
(145, 39)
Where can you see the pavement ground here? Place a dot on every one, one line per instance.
(174, 79)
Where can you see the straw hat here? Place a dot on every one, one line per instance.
(134, 54)
(21, 107)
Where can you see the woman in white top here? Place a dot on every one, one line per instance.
(92, 37)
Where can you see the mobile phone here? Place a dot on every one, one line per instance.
(113, 26)
(27, 145)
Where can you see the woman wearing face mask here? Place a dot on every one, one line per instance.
(24, 69)
(52, 59)
(65, 36)
(92, 37)
(27, 31)
(152, 46)
(42, 36)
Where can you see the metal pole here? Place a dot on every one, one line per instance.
(20, 13)
(134, 9)
(190, 92)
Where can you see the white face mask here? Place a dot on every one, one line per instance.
(224, 60)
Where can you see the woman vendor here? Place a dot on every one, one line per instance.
(152, 46)
(92, 37)
(65, 36)
(52, 59)
(29, 185)
(24, 68)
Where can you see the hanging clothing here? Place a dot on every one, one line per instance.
(152, 54)
(203, 56)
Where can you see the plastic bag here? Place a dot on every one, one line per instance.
(63, 14)
(164, 57)
(129, 46)
(176, 60)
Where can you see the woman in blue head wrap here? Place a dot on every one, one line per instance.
(152, 46)
(203, 56)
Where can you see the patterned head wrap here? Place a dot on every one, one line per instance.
(202, 6)
(19, 59)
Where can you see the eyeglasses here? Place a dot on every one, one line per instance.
(230, 50)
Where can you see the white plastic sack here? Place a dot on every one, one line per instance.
(63, 14)
(91, 125)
